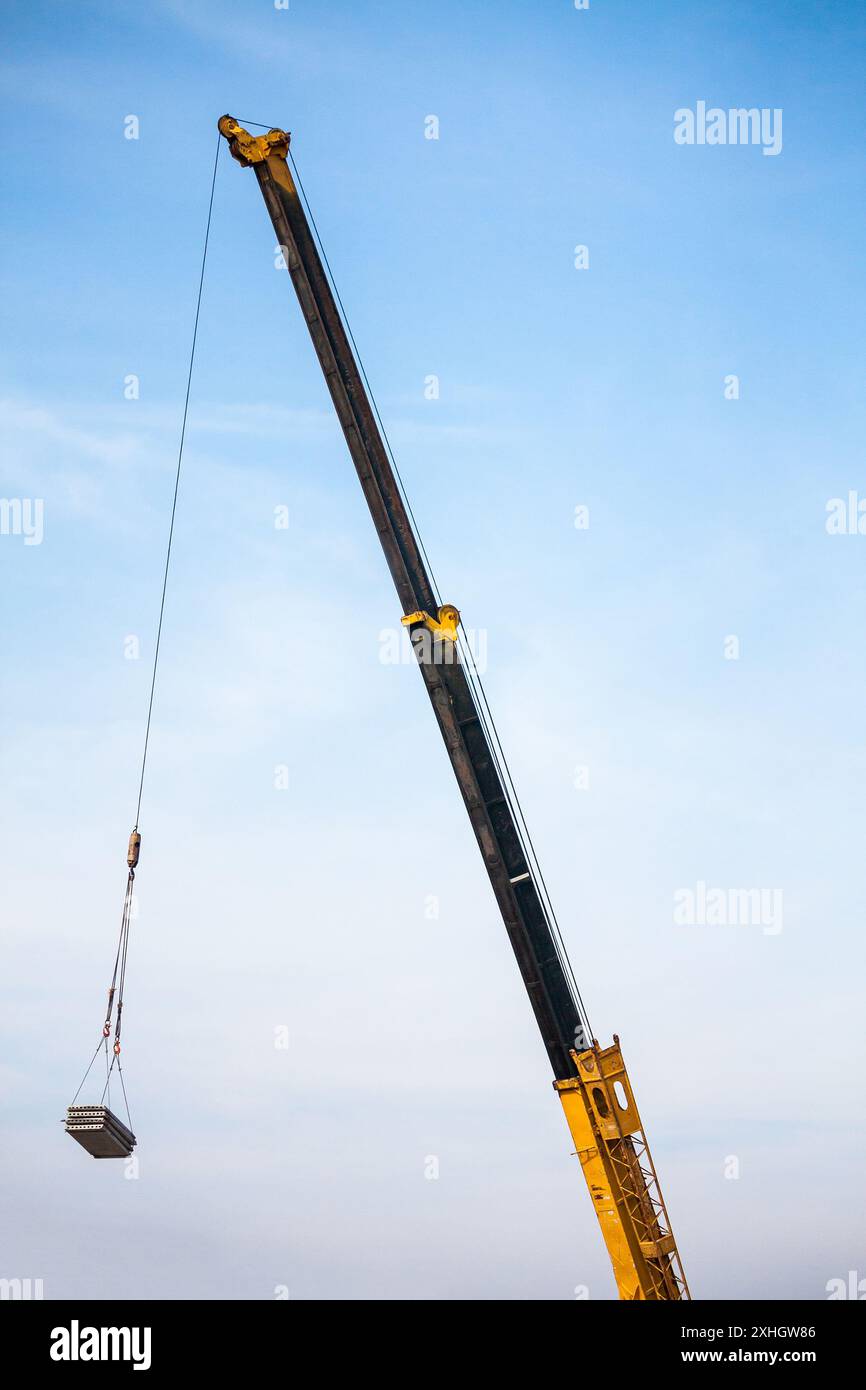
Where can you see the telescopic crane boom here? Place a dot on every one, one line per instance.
(591, 1081)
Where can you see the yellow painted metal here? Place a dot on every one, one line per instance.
(253, 149)
(605, 1125)
(445, 624)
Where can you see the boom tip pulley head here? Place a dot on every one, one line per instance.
(253, 149)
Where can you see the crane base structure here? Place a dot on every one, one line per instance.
(592, 1082)
(603, 1118)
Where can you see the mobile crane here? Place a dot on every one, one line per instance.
(591, 1081)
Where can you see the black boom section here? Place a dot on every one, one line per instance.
(444, 676)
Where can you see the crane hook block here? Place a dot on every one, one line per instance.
(134, 848)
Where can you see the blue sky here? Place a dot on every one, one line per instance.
(559, 387)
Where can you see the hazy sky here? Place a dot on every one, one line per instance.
(738, 764)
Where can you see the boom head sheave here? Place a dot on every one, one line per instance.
(253, 149)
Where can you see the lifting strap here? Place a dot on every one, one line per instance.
(115, 989)
(116, 986)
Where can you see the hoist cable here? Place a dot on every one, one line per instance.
(473, 676)
(177, 481)
(118, 977)
(366, 380)
(527, 842)
(348, 327)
